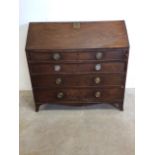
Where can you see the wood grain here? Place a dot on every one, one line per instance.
(82, 80)
(78, 49)
(90, 35)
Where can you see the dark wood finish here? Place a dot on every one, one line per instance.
(38, 56)
(46, 81)
(112, 67)
(82, 55)
(82, 94)
(91, 62)
(65, 36)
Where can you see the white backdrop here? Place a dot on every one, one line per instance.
(140, 19)
(79, 10)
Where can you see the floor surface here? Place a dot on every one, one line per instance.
(63, 130)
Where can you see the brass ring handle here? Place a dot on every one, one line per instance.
(97, 80)
(56, 56)
(57, 68)
(98, 94)
(98, 67)
(99, 55)
(58, 81)
(60, 95)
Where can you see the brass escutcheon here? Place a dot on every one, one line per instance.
(60, 95)
(99, 55)
(98, 94)
(56, 56)
(57, 68)
(98, 67)
(58, 81)
(97, 80)
(76, 25)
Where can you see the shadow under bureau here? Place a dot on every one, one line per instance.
(78, 63)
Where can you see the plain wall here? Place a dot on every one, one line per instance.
(71, 10)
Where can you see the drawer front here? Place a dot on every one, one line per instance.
(84, 94)
(77, 80)
(102, 55)
(54, 56)
(108, 67)
(83, 55)
(53, 68)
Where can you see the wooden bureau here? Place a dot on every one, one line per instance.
(78, 63)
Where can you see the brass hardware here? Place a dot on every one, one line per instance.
(99, 55)
(56, 56)
(98, 67)
(76, 25)
(58, 81)
(98, 94)
(60, 95)
(57, 68)
(97, 80)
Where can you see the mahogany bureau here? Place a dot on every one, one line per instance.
(78, 63)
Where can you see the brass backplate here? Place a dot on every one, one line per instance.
(76, 25)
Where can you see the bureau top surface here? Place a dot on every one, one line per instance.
(86, 35)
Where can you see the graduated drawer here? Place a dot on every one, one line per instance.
(77, 80)
(50, 68)
(54, 56)
(83, 55)
(81, 94)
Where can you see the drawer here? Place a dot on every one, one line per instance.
(105, 67)
(83, 55)
(52, 68)
(102, 55)
(55, 56)
(77, 80)
(82, 94)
